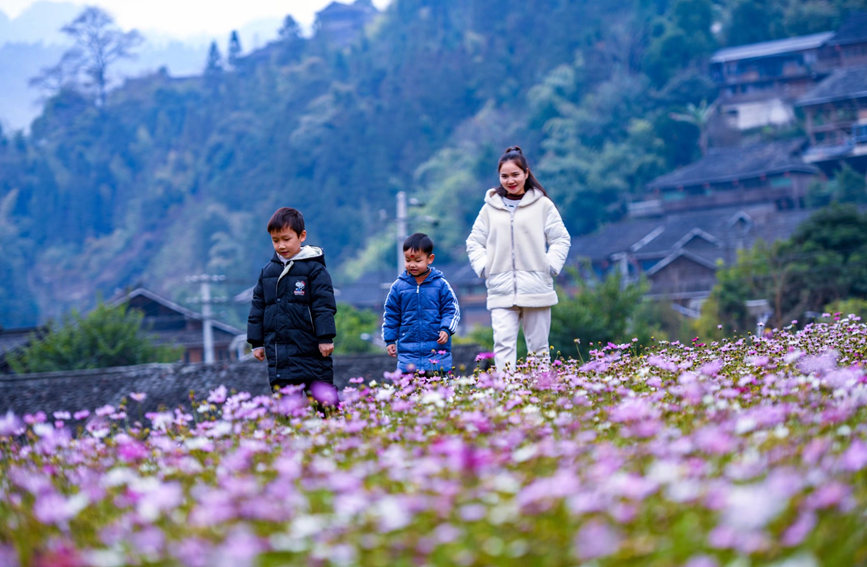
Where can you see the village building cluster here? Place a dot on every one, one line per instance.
(686, 224)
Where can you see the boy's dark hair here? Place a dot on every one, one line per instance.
(418, 241)
(286, 216)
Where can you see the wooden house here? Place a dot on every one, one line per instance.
(758, 82)
(771, 173)
(341, 24)
(173, 324)
(835, 118)
(680, 253)
(847, 47)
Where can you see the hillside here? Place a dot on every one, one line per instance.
(177, 176)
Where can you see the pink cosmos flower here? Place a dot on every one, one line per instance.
(324, 393)
(701, 561)
(799, 529)
(218, 395)
(38, 417)
(10, 425)
(596, 539)
(855, 457)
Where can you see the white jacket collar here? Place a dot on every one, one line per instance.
(305, 253)
(496, 201)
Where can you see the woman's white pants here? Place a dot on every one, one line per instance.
(536, 322)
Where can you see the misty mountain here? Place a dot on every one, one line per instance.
(177, 175)
(33, 41)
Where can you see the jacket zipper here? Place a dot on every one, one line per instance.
(514, 263)
(277, 295)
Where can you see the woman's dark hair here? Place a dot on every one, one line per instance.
(286, 216)
(514, 154)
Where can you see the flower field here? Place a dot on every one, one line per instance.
(738, 453)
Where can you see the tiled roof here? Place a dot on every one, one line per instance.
(770, 48)
(675, 232)
(853, 30)
(728, 164)
(843, 84)
(11, 339)
(169, 304)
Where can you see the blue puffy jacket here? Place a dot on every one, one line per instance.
(414, 316)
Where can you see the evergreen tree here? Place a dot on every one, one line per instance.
(214, 65)
(234, 50)
(290, 31)
(107, 336)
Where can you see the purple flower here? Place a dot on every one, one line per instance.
(800, 529)
(8, 555)
(701, 561)
(855, 457)
(104, 411)
(38, 417)
(324, 393)
(819, 364)
(218, 395)
(596, 539)
(661, 362)
(711, 368)
(10, 425)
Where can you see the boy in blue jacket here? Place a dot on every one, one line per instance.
(421, 312)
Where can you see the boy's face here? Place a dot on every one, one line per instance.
(417, 261)
(287, 242)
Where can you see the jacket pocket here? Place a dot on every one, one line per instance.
(534, 282)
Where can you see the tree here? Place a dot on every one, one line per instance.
(107, 336)
(213, 69)
(699, 116)
(98, 44)
(824, 261)
(290, 31)
(215, 60)
(850, 186)
(754, 21)
(754, 275)
(234, 50)
(355, 329)
(600, 312)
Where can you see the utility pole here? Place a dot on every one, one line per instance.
(206, 301)
(401, 229)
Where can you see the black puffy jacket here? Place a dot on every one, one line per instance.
(291, 315)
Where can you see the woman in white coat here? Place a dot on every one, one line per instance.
(517, 245)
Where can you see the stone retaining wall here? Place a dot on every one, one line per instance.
(169, 385)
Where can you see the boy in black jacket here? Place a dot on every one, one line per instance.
(291, 321)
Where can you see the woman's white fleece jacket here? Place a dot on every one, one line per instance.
(518, 254)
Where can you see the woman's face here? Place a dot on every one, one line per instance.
(513, 178)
